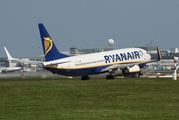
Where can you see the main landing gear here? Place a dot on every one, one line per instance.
(85, 77)
(110, 77)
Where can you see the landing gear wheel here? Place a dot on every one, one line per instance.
(110, 77)
(85, 77)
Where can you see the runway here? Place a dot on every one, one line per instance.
(50, 75)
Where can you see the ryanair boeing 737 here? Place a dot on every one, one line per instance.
(95, 63)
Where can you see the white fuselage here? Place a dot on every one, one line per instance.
(102, 59)
(10, 69)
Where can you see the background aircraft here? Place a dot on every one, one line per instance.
(95, 63)
(10, 69)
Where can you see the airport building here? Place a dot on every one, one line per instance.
(78, 51)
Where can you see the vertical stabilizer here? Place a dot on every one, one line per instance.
(9, 57)
(49, 48)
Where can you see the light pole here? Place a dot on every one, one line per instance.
(175, 67)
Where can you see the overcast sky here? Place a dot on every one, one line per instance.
(87, 24)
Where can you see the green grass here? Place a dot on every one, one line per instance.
(96, 99)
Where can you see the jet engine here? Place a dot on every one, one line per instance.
(133, 71)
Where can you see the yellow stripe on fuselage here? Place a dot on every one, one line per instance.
(93, 66)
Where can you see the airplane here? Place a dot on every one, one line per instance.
(93, 63)
(9, 69)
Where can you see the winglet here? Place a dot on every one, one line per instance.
(9, 57)
(159, 56)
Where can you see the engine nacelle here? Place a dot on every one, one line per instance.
(132, 71)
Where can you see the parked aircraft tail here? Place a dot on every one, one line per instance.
(9, 57)
(49, 48)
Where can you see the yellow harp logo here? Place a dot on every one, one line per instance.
(47, 44)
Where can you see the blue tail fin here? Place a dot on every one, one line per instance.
(49, 48)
